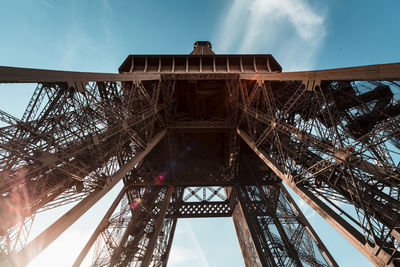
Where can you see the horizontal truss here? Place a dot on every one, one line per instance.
(331, 135)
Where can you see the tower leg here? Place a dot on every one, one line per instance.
(157, 228)
(249, 252)
(37, 245)
(171, 230)
(145, 238)
(278, 231)
(325, 252)
(99, 229)
(375, 255)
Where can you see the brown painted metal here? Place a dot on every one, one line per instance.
(25, 75)
(44, 239)
(309, 228)
(373, 72)
(202, 48)
(323, 133)
(343, 227)
(99, 229)
(246, 243)
(157, 228)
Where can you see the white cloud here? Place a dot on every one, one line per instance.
(289, 29)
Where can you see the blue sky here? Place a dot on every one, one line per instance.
(98, 35)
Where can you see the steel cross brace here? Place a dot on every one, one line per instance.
(380, 258)
(37, 245)
(99, 229)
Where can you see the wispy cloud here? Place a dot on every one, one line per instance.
(45, 3)
(189, 252)
(77, 46)
(203, 258)
(291, 30)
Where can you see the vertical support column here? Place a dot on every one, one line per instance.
(279, 233)
(99, 229)
(170, 239)
(146, 234)
(247, 246)
(325, 252)
(379, 258)
(157, 227)
(254, 211)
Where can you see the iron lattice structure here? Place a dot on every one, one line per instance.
(205, 135)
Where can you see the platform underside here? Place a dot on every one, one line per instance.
(194, 141)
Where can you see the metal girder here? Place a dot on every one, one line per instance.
(372, 72)
(331, 135)
(200, 76)
(25, 75)
(157, 228)
(337, 140)
(139, 234)
(68, 146)
(278, 233)
(246, 243)
(325, 252)
(44, 239)
(129, 234)
(342, 226)
(196, 126)
(169, 243)
(99, 229)
(201, 209)
(277, 226)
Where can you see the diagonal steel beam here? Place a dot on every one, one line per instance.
(44, 239)
(157, 228)
(246, 242)
(310, 229)
(99, 229)
(169, 245)
(379, 258)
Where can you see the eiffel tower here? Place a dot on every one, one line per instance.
(205, 135)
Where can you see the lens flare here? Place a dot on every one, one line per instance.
(16, 204)
(135, 203)
(160, 177)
